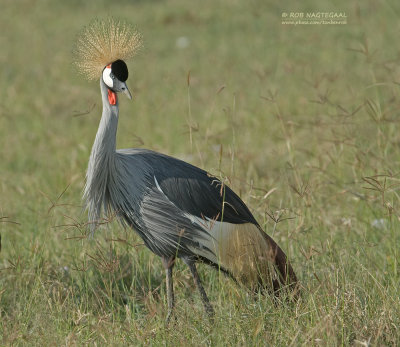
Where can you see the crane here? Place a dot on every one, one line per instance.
(179, 210)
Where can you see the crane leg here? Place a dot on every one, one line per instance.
(168, 264)
(207, 305)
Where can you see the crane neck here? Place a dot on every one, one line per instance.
(105, 142)
(102, 158)
(102, 166)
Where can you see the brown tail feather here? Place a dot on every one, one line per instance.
(287, 276)
(252, 257)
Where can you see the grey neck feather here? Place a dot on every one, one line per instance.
(101, 168)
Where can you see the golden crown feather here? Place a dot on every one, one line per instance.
(103, 42)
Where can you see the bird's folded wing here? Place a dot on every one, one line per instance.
(170, 229)
(198, 193)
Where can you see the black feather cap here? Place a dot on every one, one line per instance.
(120, 70)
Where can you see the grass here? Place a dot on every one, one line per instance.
(302, 121)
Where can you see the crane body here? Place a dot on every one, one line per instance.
(179, 210)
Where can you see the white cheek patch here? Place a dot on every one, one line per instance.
(107, 78)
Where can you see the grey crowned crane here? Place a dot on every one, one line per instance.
(179, 210)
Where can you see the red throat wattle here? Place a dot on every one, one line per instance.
(112, 97)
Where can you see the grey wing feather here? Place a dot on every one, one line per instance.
(193, 190)
(172, 232)
(164, 227)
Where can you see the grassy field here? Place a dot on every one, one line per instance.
(302, 121)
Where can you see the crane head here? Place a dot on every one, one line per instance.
(106, 42)
(115, 75)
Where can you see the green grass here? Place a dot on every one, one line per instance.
(309, 114)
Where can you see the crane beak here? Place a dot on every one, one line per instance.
(126, 91)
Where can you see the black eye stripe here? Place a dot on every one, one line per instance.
(120, 70)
